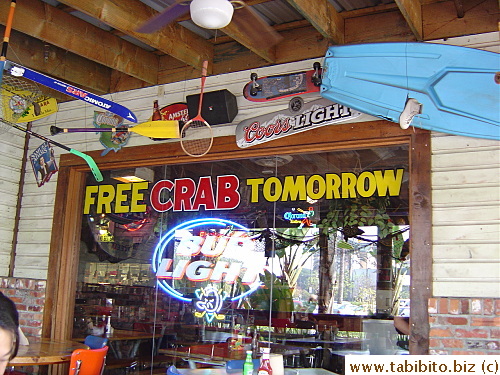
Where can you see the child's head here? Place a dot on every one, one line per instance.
(8, 347)
(9, 334)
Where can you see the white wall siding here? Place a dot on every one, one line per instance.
(466, 216)
(11, 154)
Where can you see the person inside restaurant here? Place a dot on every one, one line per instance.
(9, 331)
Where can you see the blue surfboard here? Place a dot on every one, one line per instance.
(455, 86)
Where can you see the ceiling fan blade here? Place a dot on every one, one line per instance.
(251, 24)
(169, 15)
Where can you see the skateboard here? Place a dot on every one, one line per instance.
(282, 86)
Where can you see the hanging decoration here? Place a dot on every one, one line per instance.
(44, 163)
(114, 140)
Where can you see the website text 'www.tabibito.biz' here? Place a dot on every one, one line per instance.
(429, 365)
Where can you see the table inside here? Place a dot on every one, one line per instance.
(42, 351)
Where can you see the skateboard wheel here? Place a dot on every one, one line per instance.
(316, 78)
(254, 91)
(295, 104)
(253, 76)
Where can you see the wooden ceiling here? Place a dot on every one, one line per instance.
(102, 55)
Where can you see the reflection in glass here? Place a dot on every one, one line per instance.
(282, 245)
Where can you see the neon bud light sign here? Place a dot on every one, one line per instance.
(213, 259)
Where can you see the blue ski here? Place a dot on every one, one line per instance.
(118, 109)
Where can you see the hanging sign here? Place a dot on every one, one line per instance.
(280, 124)
(40, 109)
(175, 112)
(214, 255)
(44, 163)
(110, 140)
(303, 218)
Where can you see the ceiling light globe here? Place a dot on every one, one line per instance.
(211, 14)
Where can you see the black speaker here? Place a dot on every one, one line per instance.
(219, 107)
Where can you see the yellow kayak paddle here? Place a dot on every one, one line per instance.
(160, 129)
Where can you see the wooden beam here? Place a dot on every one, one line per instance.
(45, 22)
(221, 39)
(460, 8)
(298, 44)
(240, 33)
(323, 16)
(301, 44)
(123, 82)
(412, 12)
(420, 241)
(172, 70)
(63, 257)
(382, 8)
(390, 27)
(127, 15)
(441, 20)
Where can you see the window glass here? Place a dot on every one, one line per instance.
(218, 246)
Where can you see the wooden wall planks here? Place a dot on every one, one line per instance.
(466, 216)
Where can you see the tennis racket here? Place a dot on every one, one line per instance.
(196, 134)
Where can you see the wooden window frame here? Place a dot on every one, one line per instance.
(65, 241)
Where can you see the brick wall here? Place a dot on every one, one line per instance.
(464, 325)
(29, 297)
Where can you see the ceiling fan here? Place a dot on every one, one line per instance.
(216, 14)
